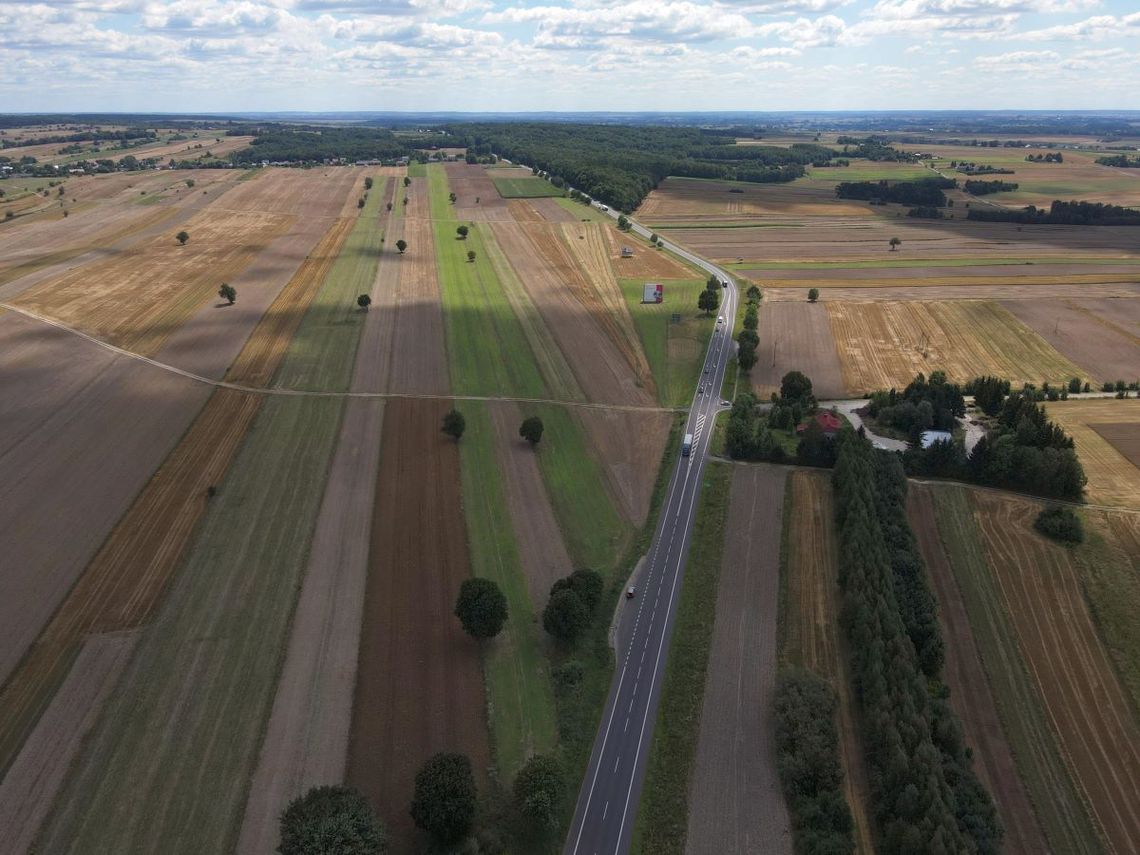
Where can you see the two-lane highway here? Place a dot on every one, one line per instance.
(611, 790)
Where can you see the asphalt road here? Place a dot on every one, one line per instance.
(611, 790)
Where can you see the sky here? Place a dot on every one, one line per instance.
(567, 55)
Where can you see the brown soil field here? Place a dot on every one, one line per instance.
(184, 149)
(1040, 584)
(796, 337)
(468, 182)
(646, 263)
(884, 345)
(922, 291)
(522, 211)
(537, 533)
(410, 639)
(861, 239)
(987, 272)
(1125, 438)
(629, 446)
(1112, 479)
(970, 694)
(605, 365)
(811, 636)
(687, 199)
(1088, 332)
(32, 781)
(551, 211)
(736, 804)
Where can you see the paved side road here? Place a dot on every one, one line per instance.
(611, 790)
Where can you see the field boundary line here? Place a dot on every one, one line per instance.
(316, 393)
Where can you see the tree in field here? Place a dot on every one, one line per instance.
(1075, 385)
(228, 293)
(331, 820)
(401, 245)
(368, 183)
(364, 301)
(565, 615)
(406, 201)
(445, 799)
(360, 202)
(813, 294)
(388, 206)
(451, 197)
(531, 429)
(539, 789)
(407, 181)
(182, 237)
(708, 301)
(476, 200)
(462, 232)
(454, 424)
(481, 608)
(895, 243)
(753, 294)
(189, 183)
(470, 255)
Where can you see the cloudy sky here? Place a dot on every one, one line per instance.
(218, 55)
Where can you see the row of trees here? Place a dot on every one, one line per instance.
(303, 144)
(919, 192)
(925, 796)
(984, 188)
(1121, 161)
(807, 760)
(1061, 213)
(747, 340)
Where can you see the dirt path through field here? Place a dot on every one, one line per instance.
(812, 632)
(1099, 736)
(537, 534)
(36, 775)
(419, 685)
(970, 693)
(735, 801)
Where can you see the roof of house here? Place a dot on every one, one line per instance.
(826, 419)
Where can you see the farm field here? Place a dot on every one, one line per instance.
(883, 345)
(809, 631)
(736, 804)
(797, 337)
(526, 187)
(1105, 432)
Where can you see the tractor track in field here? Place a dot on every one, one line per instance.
(316, 393)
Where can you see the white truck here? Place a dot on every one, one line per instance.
(687, 445)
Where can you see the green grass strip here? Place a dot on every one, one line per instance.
(531, 187)
(323, 351)
(677, 373)
(1032, 740)
(663, 820)
(595, 533)
(521, 702)
(487, 348)
(417, 169)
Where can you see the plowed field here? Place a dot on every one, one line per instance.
(1040, 585)
(884, 345)
(810, 633)
(411, 639)
(1099, 335)
(796, 337)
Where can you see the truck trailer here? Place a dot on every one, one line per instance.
(687, 445)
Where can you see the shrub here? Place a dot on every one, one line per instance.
(1060, 523)
(445, 799)
(331, 820)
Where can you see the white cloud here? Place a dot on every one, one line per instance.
(1018, 61)
(1095, 28)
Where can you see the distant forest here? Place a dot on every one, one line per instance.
(620, 165)
(1063, 214)
(316, 144)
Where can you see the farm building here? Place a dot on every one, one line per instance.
(653, 293)
(827, 420)
(627, 252)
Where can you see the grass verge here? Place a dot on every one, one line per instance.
(662, 820)
(1031, 738)
(520, 701)
(530, 187)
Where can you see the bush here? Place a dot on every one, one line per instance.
(331, 820)
(481, 607)
(565, 615)
(445, 798)
(1060, 523)
(587, 584)
(539, 790)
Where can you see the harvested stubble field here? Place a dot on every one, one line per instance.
(1008, 293)
(646, 262)
(884, 345)
(797, 337)
(1100, 335)
(736, 804)
(681, 201)
(1105, 432)
(809, 632)
(1040, 586)
(970, 693)
(964, 579)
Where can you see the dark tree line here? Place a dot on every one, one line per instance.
(1062, 214)
(923, 405)
(619, 164)
(315, 144)
(85, 136)
(807, 759)
(984, 188)
(924, 192)
(925, 796)
(1121, 161)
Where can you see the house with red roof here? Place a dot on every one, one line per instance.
(827, 420)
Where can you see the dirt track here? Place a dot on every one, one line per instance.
(537, 534)
(1040, 585)
(419, 685)
(735, 802)
(796, 337)
(970, 693)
